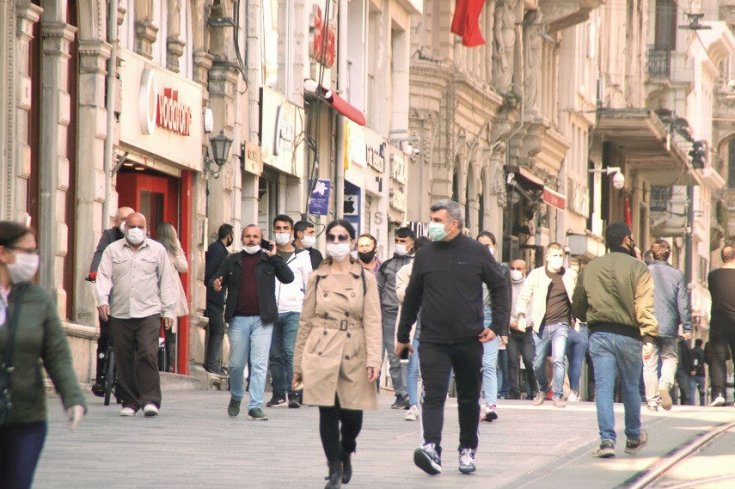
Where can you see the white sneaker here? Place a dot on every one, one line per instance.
(573, 397)
(717, 401)
(128, 411)
(150, 409)
(412, 414)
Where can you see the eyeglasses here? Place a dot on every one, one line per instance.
(28, 251)
(342, 238)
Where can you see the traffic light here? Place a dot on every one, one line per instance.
(698, 154)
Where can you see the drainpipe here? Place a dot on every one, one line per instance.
(110, 108)
(339, 174)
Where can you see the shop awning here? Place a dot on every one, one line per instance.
(555, 199)
(346, 109)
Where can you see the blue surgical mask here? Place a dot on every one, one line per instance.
(437, 231)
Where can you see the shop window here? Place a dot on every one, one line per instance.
(186, 34)
(160, 20)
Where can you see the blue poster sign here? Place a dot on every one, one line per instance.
(319, 198)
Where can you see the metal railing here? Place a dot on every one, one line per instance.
(659, 63)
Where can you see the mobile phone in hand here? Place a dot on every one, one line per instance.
(265, 244)
(404, 355)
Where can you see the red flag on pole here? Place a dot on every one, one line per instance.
(466, 22)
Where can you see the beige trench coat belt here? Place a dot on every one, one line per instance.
(340, 324)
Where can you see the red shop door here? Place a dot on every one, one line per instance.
(163, 199)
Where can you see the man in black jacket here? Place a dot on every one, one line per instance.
(251, 309)
(446, 284)
(216, 254)
(304, 234)
(402, 255)
(116, 232)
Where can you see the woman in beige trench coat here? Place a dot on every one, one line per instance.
(338, 349)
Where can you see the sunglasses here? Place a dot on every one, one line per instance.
(342, 238)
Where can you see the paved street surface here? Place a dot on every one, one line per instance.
(194, 444)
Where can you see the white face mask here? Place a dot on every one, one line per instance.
(401, 250)
(516, 275)
(251, 250)
(122, 227)
(283, 239)
(308, 241)
(492, 250)
(556, 262)
(135, 236)
(338, 251)
(24, 268)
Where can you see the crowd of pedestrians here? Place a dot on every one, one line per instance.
(324, 327)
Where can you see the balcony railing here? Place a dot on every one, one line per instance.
(659, 63)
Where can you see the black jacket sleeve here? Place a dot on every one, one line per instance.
(107, 237)
(216, 254)
(284, 274)
(224, 271)
(411, 302)
(497, 285)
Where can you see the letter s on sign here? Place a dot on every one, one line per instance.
(378, 218)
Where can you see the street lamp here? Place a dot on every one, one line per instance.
(220, 152)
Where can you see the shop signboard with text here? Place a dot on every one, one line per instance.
(161, 112)
(281, 133)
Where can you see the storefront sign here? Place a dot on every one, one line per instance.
(319, 199)
(281, 122)
(162, 108)
(398, 201)
(398, 167)
(162, 113)
(375, 159)
(253, 159)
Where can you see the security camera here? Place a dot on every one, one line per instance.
(618, 181)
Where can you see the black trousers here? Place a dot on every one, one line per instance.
(215, 336)
(136, 358)
(338, 438)
(437, 361)
(102, 344)
(520, 345)
(722, 345)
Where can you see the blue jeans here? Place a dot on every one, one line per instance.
(412, 375)
(577, 344)
(490, 370)
(614, 353)
(281, 355)
(250, 339)
(696, 385)
(20, 449)
(490, 362)
(554, 336)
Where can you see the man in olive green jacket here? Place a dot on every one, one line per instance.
(614, 295)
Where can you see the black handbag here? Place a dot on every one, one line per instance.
(6, 368)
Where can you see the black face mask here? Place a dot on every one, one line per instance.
(366, 257)
(229, 242)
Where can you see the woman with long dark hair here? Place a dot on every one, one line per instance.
(338, 349)
(28, 317)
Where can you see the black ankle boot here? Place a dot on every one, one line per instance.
(346, 467)
(335, 475)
